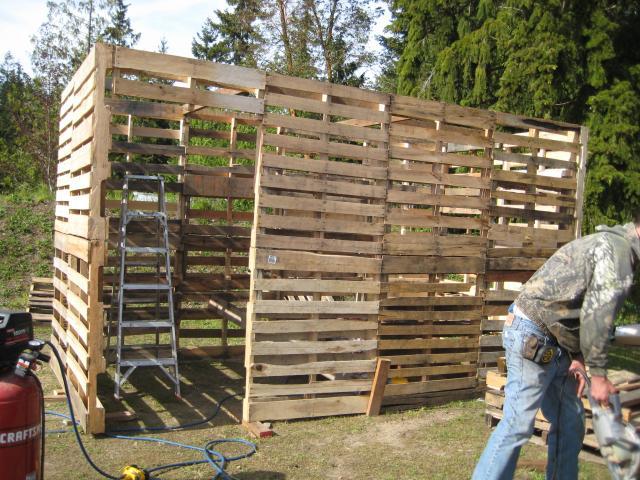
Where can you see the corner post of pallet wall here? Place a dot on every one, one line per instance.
(182, 213)
(482, 286)
(581, 180)
(382, 278)
(228, 254)
(100, 172)
(254, 293)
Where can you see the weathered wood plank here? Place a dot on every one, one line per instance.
(307, 261)
(292, 222)
(315, 368)
(537, 180)
(334, 149)
(312, 285)
(416, 264)
(430, 386)
(326, 245)
(378, 386)
(318, 106)
(312, 347)
(305, 184)
(306, 408)
(181, 68)
(324, 325)
(193, 96)
(328, 167)
(431, 343)
(311, 307)
(423, 196)
(534, 142)
(327, 387)
(321, 205)
(420, 174)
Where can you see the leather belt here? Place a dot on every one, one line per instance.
(519, 313)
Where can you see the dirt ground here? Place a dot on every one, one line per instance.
(430, 443)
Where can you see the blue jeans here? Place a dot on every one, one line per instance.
(531, 386)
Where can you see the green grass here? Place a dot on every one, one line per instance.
(429, 443)
(26, 244)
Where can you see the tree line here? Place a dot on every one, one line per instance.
(571, 60)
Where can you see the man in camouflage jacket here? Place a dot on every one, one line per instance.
(562, 320)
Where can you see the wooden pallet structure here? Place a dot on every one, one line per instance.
(314, 228)
(626, 382)
(41, 300)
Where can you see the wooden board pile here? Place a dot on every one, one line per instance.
(41, 300)
(627, 383)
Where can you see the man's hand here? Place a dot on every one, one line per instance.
(601, 388)
(577, 366)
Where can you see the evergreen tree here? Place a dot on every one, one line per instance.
(64, 39)
(421, 30)
(16, 165)
(339, 33)
(235, 38)
(163, 46)
(568, 60)
(119, 31)
(59, 47)
(286, 26)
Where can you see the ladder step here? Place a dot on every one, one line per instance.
(147, 323)
(147, 362)
(152, 262)
(145, 349)
(146, 249)
(163, 287)
(141, 300)
(139, 295)
(132, 214)
(144, 177)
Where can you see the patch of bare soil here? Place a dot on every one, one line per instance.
(398, 439)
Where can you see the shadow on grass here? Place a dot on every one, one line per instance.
(149, 394)
(625, 358)
(260, 475)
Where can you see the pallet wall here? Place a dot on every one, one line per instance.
(194, 123)
(326, 226)
(434, 249)
(536, 207)
(316, 251)
(80, 231)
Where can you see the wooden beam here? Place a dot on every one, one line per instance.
(378, 386)
(258, 429)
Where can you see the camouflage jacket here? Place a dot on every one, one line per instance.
(579, 290)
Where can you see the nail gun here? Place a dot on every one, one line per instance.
(619, 442)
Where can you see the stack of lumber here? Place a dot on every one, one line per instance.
(627, 383)
(41, 300)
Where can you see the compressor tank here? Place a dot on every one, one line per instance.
(20, 427)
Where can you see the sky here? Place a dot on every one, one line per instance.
(176, 20)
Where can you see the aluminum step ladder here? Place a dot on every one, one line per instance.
(151, 293)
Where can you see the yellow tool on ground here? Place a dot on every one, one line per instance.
(133, 472)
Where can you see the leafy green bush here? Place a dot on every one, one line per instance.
(26, 242)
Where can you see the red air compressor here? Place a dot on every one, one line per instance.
(21, 399)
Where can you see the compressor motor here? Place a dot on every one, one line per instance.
(16, 331)
(21, 399)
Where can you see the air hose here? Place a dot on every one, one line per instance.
(217, 460)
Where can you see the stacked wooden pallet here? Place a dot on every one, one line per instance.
(627, 383)
(41, 299)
